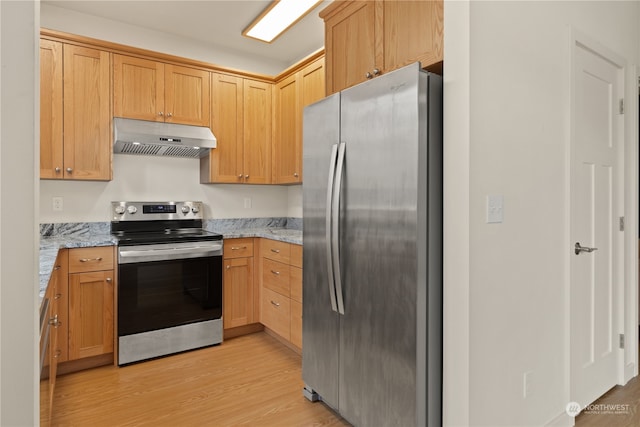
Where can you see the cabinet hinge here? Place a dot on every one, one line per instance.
(621, 340)
(621, 223)
(621, 106)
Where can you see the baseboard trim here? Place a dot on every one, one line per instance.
(242, 330)
(562, 420)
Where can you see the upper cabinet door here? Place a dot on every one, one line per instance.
(87, 113)
(138, 88)
(287, 131)
(51, 158)
(403, 22)
(352, 44)
(225, 162)
(187, 97)
(257, 132)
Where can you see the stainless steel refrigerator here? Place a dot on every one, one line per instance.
(372, 230)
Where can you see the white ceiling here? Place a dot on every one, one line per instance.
(216, 22)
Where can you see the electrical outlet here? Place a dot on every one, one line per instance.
(247, 203)
(495, 209)
(57, 204)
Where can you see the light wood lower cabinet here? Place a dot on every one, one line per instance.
(239, 289)
(91, 302)
(281, 289)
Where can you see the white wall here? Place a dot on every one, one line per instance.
(514, 296)
(56, 18)
(146, 178)
(18, 214)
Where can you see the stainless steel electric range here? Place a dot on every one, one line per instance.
(169, 279)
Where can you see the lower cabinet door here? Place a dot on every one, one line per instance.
(276, 312)
(238, 292)
(91, 314)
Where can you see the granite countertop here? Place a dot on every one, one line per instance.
(281, 234)
(49, 247)
(82, 235)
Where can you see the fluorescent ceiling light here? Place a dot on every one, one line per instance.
(277, 18)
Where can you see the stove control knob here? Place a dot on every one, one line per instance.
(195, 209)
(132, 209)
(185, 209)
(120, 210)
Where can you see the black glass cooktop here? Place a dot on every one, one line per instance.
(165, 236)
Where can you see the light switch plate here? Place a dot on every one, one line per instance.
(495, 209)
(57, 204)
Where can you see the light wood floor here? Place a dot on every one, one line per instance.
(252, 380)
(628, 416)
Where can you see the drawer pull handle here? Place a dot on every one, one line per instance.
(58, 353)
(90, 259)
(237, 248)
(57, 267)
(54, 321)
(277, 273)
(58, 296)
(277, 251)
(276, 304)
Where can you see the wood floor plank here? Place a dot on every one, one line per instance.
(619, 407)
(247, 381)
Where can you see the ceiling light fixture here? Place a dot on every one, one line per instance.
(277, 18)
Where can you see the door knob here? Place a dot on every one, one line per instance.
(579, 249)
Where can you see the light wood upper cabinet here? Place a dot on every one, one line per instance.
(364, 39)
(75, 112)
(257, 132)
(151, 90)
(87, 113)
(51, 158)
(352, 41)
(187, 97)
(241, 122)
(291, 95)
(138, 88)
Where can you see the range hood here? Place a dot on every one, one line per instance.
(161, 139)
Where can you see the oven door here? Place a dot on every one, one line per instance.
(168, 287)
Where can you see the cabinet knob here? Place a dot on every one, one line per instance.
(368, 75)
(228, 267)
(240, 176)
(169, 115)
(295, 174)
(108, 279)
(376, 72)
(57, 169)
(160, 113)
(69, 170)
(246, 177)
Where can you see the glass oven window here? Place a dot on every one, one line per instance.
(162, 294)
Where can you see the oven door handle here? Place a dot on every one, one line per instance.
(129, 256)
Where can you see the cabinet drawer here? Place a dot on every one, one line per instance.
(296, 324)
(277, 251)
(295, 284)
(91, 259)
(275, 276)
(238, 248)
(276, 312)
(296, 255)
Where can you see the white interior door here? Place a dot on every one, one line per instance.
(596, 205)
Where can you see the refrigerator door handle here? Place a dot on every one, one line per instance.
(332, 175)
(335, 230)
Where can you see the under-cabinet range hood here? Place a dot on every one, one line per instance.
(161, 139)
